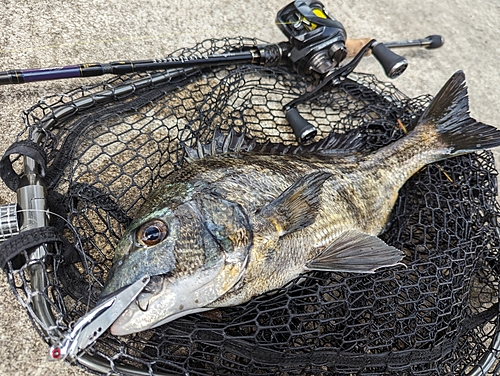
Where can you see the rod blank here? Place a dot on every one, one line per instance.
(20, 76)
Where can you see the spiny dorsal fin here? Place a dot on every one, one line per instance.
(298, 205)
(220, 144)
(356, 252)
(233, 142)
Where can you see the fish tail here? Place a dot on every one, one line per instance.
(449, 113)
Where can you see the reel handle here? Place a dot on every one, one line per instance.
(431, 42)
(393, 63)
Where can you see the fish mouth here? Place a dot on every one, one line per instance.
(168, 297)
(163, 300)
(132, 318)
(153, 287)
(142, 301)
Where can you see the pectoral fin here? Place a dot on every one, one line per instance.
(356, 252)
(298, 205)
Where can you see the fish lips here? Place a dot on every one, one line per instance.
(165, 299)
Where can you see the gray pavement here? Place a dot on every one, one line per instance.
(36, 33)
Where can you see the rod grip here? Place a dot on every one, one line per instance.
(353, 46)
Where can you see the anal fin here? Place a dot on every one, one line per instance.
(356, 252)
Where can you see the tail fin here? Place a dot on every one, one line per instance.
(449, 112)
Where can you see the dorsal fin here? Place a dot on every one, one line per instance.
(234, 142)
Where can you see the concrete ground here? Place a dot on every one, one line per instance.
(36, 33)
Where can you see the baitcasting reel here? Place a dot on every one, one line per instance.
(318, 45)
(318, 40)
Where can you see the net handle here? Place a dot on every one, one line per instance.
(488, 360)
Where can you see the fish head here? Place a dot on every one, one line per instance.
(194, 245)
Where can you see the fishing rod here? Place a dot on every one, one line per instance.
(317, 45)
(266, 55)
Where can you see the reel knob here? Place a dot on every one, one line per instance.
(393, 64)
(303, 130)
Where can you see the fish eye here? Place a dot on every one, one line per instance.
(152, 232)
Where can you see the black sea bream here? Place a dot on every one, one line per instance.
(228, 227)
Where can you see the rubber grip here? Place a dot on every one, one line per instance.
(393, 63)
(303, 130)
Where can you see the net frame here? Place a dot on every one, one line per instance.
(120, 90)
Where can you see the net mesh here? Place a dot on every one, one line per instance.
(438, 315)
